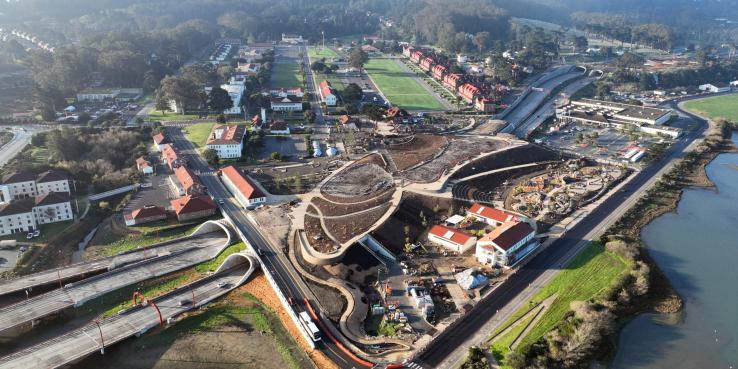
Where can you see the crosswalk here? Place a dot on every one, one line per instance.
(413, 365)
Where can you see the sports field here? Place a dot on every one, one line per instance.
(316, 53)
(725, 107)
(286, 74)
(399, 87)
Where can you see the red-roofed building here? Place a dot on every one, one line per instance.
(452, 81)
(468, 92)
(328, 94)
(416, 56)
(490, 215)
(439, 71)
(160, 140)
(227, 140)
(193, 207)
(242, 187)
(188, 181)
(426, 64)
(146, 214)
(144, 166)
(407, 50)
(451, 238)
(485, 104)
(507, 244)
(171, 157)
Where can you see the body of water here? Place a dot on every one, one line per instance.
(697, 248)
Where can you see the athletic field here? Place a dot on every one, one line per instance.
(399, 87)
(315, 53)
(725, 107)
(286, 73)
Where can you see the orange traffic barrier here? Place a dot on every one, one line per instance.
(338, 344)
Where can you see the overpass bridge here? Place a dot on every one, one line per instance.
(77, 344)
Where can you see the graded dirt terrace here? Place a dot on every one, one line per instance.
(410, 151)
(358, 180)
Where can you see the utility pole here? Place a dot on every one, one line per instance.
(322, 33)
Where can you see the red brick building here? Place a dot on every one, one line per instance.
(468, 92)
(452, 81)
(439, 71)
(426, 64)
(146, 214)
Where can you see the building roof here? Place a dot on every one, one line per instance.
(226, 135)
(52, 198)
(147, 211)
(450, 234)
(52, 175)
(192, 204)
(141, 162)
(169, 154)
(278, 125)
(18, 177)
(497, 215)
(326, 89)
(242, 182)
(16, 207)
(160, 139)
(285, 100)
(187, 178)
(508, 234)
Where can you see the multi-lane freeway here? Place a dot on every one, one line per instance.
(197, 250)
(450, 349)
(274, 260)
(79, 343)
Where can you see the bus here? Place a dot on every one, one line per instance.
(309, 326)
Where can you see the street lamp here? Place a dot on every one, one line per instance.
(102, 340)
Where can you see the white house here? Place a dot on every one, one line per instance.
(19, 185)
(97, 94)
(292, 39)
(715, 87)
(451, 238)
(279, 127)
(328, 93)
(235, 91)
(53, 181)
(144, 166)
(226, 140)
(287, 103)
(490, 215)
(507, 244)
(734, 83)
(246, 192)
(53, 207)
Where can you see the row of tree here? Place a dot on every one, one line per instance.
(623, 29)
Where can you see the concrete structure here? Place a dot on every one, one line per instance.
(53, 181)
(618, 115)
(715, 87)
(242, 187)
(507, 244)
(193, 207)
(292, 39)
(102, 94)
(235, 87)
(226, 140)
(328, 94)
(21, 185)
(146, 214)
(451, 238)
(287, 103)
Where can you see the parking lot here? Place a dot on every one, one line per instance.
(160, 192)
(124, 111)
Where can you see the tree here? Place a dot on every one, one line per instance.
(276, 156)
(184, 92)
(352, 93)
(221, 118)
(160, 101)
(309, 116)
(580, 43)
(318, 66)
(219, 100)
(358, 58)
(481, 40)
(211, 156)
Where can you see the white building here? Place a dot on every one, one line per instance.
(17, 217)
(243, 189)
(715, 87)
(53, 207)
(287, 103)
(292, 39)
(26, 215)
(19, 185)
(53, 181)
(490, 215)
(452, 239)
(507, 244)
(159, 141)
(235, 88)
(227, 141)
(328, 93)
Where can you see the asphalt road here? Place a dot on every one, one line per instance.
(47, 277)
(450, 349)
(274, 261)
(293, 51)
(21, 138)
(79, 343)
(198, 250)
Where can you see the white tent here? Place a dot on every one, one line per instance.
(467, 280)
(70, 109)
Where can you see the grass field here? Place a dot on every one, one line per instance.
(588, 275)
(399, 87)
(198, 133)
(725, 107)
(169, 116)
(286, 74)
(316, 53)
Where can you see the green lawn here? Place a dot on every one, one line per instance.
(169, 116)
(316, 53)
(286, 74)
(198, 133)
(150, 234)
(586, 277)
(725, 107)
(400, 87)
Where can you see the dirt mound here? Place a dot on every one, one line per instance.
(358, 180)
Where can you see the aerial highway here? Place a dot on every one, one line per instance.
(79, 270)
(76, 294)
(450, 348)
(21, 138)
(273, 258)
(77, 344)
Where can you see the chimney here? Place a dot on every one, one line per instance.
(263, 115)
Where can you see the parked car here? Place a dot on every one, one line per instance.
(29, 235)
(36, 233)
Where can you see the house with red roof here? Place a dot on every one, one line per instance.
(243, 188)
(146, 214)
(451, 238)
(328, 93)
(490, 215)
(144, 166)
(193, 207)
(160, 140)
(438, 72)
(468, 92)
(407, 50)
(452, 81)
(416, 56)
(485, 104)
(186, 182)
(426, 64)
(506, 244)
(171, 157)
(226, 140)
